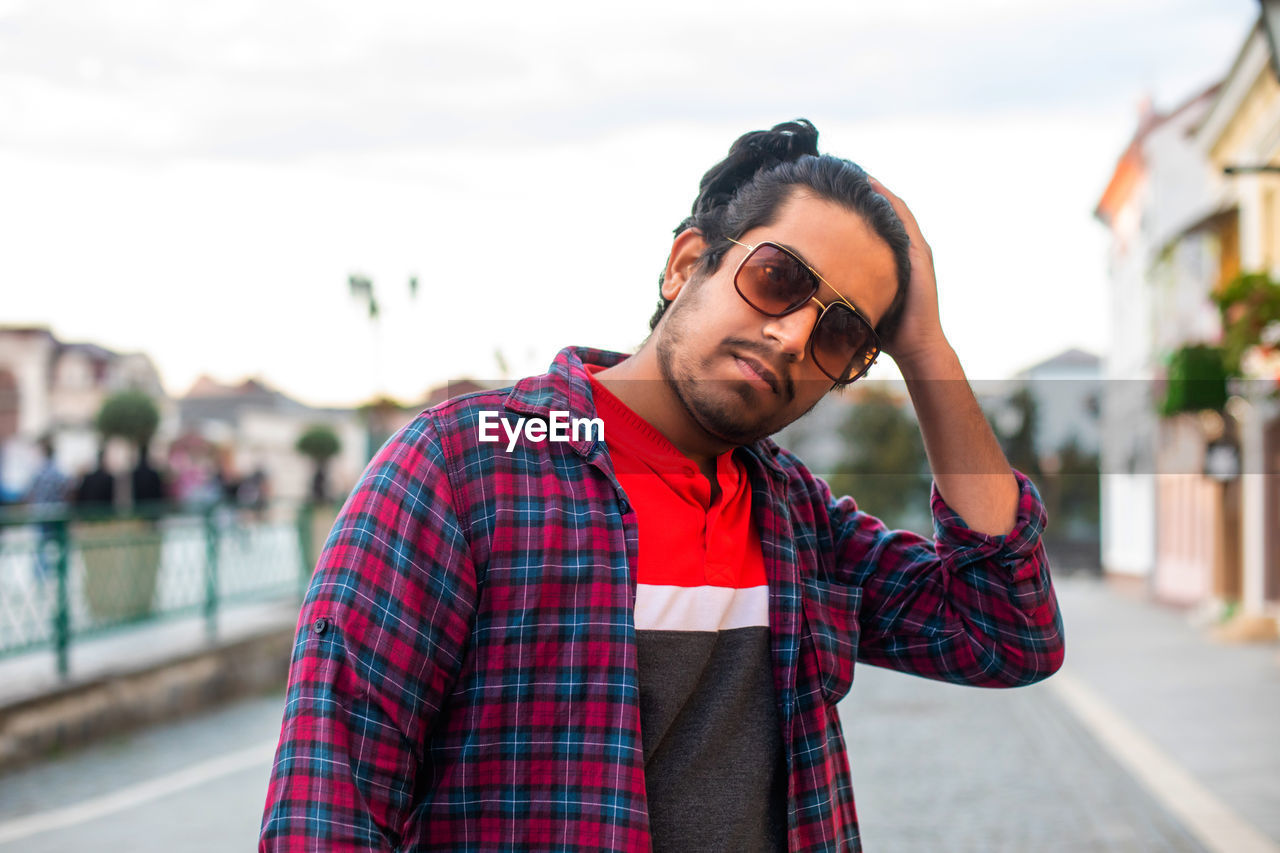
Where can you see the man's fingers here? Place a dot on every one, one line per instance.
(899, 206)
(904, 213)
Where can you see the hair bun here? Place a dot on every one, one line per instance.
(759, 149)
(785, 141)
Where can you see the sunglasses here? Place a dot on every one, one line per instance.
(776, 282)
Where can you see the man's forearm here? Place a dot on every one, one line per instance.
(970, 469)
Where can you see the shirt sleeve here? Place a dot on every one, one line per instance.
(966, 607)
(380, 638)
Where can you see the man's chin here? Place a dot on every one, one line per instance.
(721, 407)
(725, 420)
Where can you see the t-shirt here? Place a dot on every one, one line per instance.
(715, 773)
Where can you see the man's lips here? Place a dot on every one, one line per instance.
(756, 368)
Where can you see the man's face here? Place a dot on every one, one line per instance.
(741, 375)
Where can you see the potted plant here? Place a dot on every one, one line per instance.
(319, 443)
(1196, 380)
(122, 551)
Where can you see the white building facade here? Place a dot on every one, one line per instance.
(1163, 187)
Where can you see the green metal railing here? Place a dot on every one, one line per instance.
(65, 577)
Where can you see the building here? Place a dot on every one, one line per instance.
(1162, 208)
(52, 387)
(1239, 130)
(233, 430)
(1186, 220)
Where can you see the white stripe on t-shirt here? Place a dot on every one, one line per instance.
(700, 608)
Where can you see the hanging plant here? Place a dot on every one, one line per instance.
(1196, 380)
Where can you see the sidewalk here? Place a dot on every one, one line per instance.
(1212, 709)
(140, 675)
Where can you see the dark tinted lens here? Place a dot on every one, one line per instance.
(843, 344)
(774, 282)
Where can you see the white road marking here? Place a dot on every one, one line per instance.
(1208, 818)
(136, 795)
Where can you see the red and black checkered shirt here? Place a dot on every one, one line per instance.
(464, 676)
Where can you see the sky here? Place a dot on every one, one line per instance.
(197, 181)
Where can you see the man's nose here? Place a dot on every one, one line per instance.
(792, 331)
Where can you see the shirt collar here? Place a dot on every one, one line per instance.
(566, 387)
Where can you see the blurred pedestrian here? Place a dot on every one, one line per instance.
(227, 476)
(96, 491)
(253, 493)
(47, 497)
(319, 486)
(148, 483)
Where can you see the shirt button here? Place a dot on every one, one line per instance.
(320, 626)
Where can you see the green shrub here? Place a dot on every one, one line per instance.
(131, 415)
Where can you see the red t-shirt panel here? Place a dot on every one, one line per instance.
(715, 773)
(685, 540)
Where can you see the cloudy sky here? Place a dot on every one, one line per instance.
(198, 180)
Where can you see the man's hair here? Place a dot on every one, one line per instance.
(746, 188)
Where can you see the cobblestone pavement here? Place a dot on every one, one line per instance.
(938, 767)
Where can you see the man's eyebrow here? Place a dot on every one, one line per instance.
(805, 261)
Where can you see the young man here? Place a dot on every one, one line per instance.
(637, 641)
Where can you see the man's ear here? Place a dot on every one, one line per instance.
(683, 261)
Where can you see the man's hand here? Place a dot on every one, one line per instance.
(969, 468)
(919, 338)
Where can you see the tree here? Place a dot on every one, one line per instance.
(1067, 479)
(1079, 506)
(131, 415)
(134, 416)
(1017, 432)
(363, 291)
(886, 469)
(319, 443)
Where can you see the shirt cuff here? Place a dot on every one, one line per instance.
(958, 544)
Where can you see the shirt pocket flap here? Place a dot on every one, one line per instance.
(831, 609)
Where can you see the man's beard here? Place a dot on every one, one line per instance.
(722, 408)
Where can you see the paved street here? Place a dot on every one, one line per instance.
(942, 767)
(219, 809)
(936, 767)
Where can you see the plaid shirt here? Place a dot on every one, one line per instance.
(464, 674)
